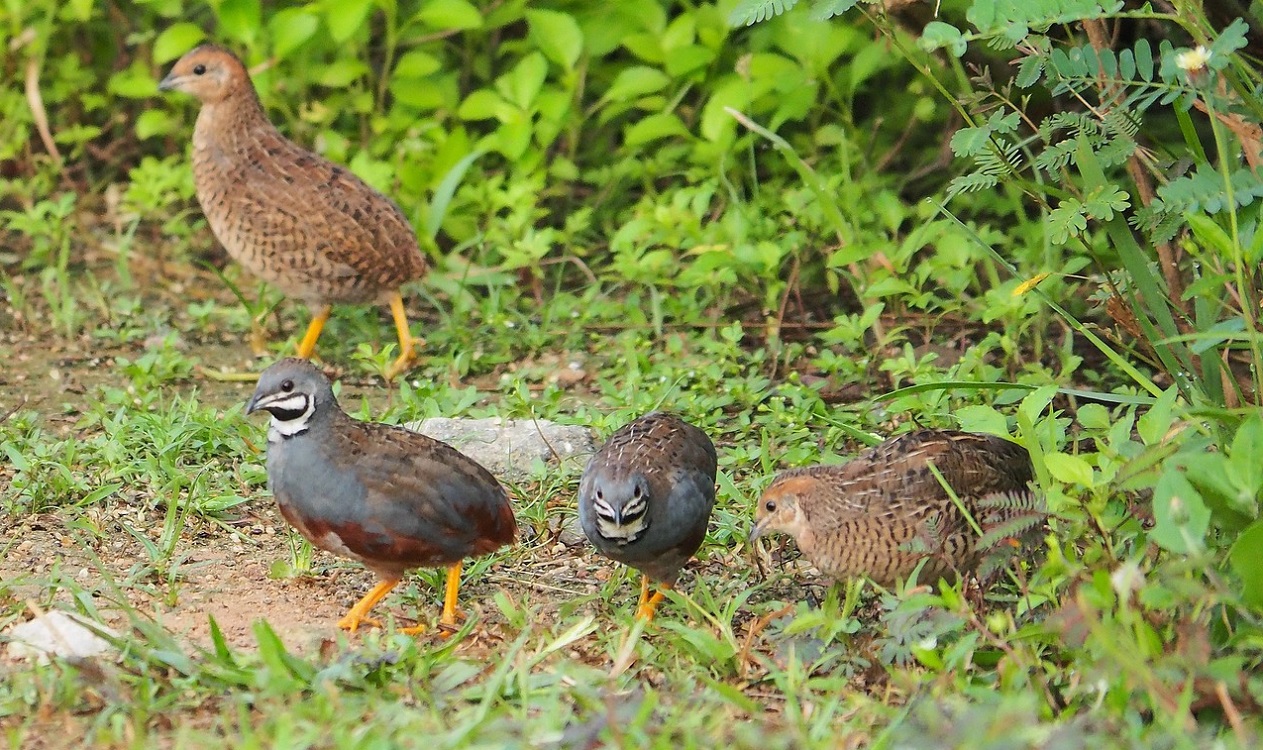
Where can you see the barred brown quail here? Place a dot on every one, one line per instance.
(292, 218)
(391, 498)
(882, 513)
(646, 496)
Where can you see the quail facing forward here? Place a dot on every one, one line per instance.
(293, 218)
(884, 512)
(391, 498)
(646, 496)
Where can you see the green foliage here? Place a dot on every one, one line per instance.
(636, 205)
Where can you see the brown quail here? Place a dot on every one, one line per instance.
(292, 218)
(391, 498)
(884, 512)
(646, 496)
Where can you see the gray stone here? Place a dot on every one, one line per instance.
(513, 449)
(58, 633)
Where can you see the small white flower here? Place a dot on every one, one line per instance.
(1127, 580)
(1193, 59)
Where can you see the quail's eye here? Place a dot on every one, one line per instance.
(199, 69)
(770, 505)
(287, 386)
(636, 492)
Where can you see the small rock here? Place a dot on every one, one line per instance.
(571, 533)
(57, 633)
(509, 447)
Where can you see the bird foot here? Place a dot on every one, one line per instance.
(417, 629)
(648, 606)
(645, 612)
(400, 367)
(352, 623)
(405, 361)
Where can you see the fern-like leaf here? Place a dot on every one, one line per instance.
(750, 12)
(823, 10)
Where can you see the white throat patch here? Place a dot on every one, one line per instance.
(280, 429)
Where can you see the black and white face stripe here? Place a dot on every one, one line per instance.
(290, 415)
(291, 411)
(622, 525)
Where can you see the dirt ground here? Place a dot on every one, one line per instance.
(226, 574)
(224, 569)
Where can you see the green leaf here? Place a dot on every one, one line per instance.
(1246, 558)
(681, 61)
(937, 35)
(133, 82)
(176, 40)
(16, 457)
(970, 141)
(1156, 422)
(345, 17)
(451, 14)
(1180, 516)
(416, 64)
(1247, 448)
(1069, 469)
(750, 12)
(1210, 234)
(1094, 417)
(446, 190)
(521, 85)
(653, 127)
(153, 122)
(638, 80)
(340, 73)
(239, 20)
(982, 418)
(483, 104)
(99, 494)
(557, 35)
(1230, 40)
(514, 136)
(290, 28)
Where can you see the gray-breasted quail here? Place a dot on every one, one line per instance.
(882, 513)
(391, 498)
(646, 496)
(291, 217)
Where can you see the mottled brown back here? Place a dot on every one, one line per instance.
(299, 221)
(884, 511)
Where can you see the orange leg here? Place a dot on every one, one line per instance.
(649, 604)
(450, 593)
(359, 613)
(407, 344)
(318, 320)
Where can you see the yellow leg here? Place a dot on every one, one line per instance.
(450, 594)
(359, 613)
(259, 335)
(649, 604)
(407, 344)
(318, 320)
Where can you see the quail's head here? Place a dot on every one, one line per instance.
(620, 501)
(292, 391)
(780, 507)
(208, 72)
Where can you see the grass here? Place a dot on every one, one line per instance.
(132, 488)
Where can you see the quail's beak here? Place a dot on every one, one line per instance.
(254, 403)
(759, 528)
(169, 83)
